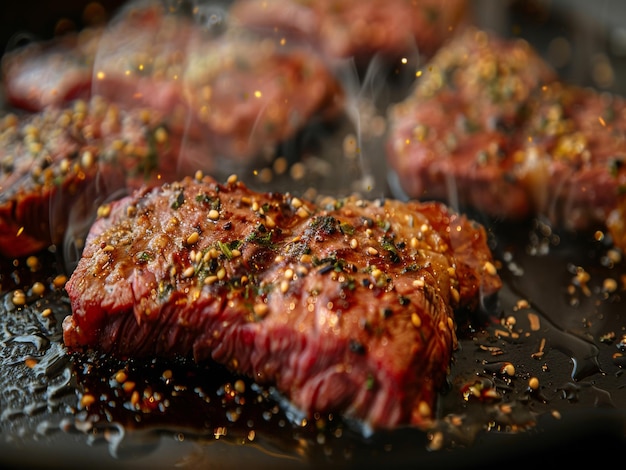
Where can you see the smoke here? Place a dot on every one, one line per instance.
(198, 86)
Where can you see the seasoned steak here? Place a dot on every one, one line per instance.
(345, 306)
(489, 126)
(573, 153)
(51, 73)
(57, 166)
(241, 94)
(451, 138)
(358, 29)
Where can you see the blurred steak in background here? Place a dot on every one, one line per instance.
(238, 92)
(359, 29)
(58, 165)
(223, 100)
(488, 126)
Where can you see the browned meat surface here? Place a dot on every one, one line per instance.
(571, 163)
(489, 126)
(354, 28)
(345, 306)
(51, 73)
(57, 166)
(238, 92)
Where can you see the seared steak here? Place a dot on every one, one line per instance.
(50, 73)
(345, 306)
(354, 28)
(573, 153)
(451, 138)
(57, 166)
(488, 126)
(238, 92)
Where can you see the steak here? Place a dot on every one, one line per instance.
(241, 94)
(50, 73)
(345, 306)
(489, 126)
(357, 29)
(58, 166)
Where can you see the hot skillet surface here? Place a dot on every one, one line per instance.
(560, 320)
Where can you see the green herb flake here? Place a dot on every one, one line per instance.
(346, 228)
(179, 201)
(261, 236)
(388, 245)
(370, 382)
(211, 202)
(384, 224)
(143, 257)
(227, 248)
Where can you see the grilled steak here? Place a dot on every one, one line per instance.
(451, 138)
(489, 126)
(50, 73)
(353, 28)
(241, 94)
(57, 166)
(345, 306)
(573, 153)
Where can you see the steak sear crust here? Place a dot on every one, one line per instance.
(58, 165)
(489, 126)
(450, 140)
(345, 306)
